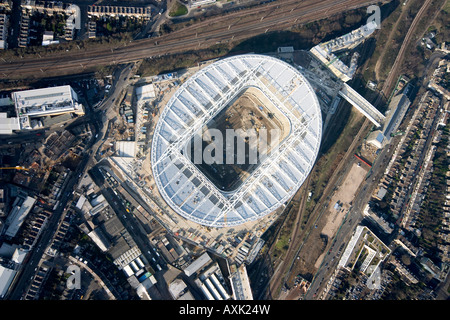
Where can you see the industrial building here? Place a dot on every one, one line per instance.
(240, 283)
(285, 92)
(8, 125)
(6, 278)
(199, 263)
(3, 31)
(397, 110)
(212, 288)
(16, 217)
(37, 103)
(398, 107)
(209, 279)
(324, 51)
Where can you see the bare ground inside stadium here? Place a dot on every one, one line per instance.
(250, 110)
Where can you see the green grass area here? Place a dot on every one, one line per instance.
(332, 151)
(391, 35)
(440, 25)
(175, 62)
(400, 28)
(178, 9)
(446, 7)
(283, 243)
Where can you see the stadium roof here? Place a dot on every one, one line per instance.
(187, 190)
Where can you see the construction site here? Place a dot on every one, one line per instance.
(254, 121)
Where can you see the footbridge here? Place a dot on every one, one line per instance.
(360, 103)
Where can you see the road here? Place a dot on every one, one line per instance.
(95, 276)
(234, 26)
(47, 235)
(352, 219)
(354, 216)
(133, 226)
(66, 193)
(94, 117)
(298, 242)
(22, 137)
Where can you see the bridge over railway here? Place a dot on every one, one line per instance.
(364, 106)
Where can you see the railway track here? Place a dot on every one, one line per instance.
(389, 81)
(297, 243)
(217, 30)
(391, 76)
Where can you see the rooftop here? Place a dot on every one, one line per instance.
(203, 96)
(45, 102)
(6, 278)
(18, 215)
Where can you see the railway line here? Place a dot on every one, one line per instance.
(399, 58)
(247, 23)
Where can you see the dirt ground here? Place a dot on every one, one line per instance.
(311, 255)
(344, 194)
(251, 112)
(368, 152)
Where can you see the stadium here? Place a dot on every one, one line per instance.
(239, 93)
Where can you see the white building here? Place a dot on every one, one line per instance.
(145, 92)
(45, 102)
(126, 149)
(18, 214)
(3, 31)
(198, 3)
(376, 138)
(8, 125)
(324, 51)
(6, 278)
(199, 263)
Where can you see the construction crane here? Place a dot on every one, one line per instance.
(14, 168)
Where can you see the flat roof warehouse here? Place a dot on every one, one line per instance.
(45, 102)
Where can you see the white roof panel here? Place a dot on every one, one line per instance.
(196, 102)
